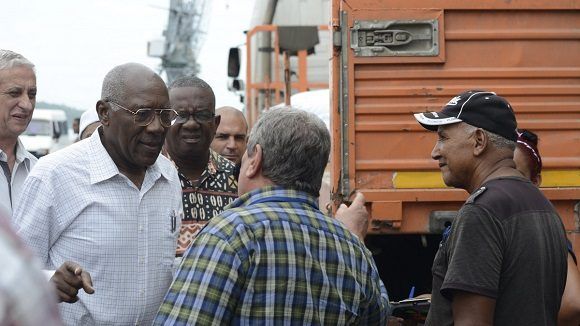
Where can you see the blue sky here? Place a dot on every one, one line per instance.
(75, 43)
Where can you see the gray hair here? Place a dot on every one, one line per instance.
(116, 81)
(295, 148)
(496, 140)
(114, 84)
(192, 81)
(10, 59)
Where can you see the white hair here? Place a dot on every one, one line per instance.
(10, 59)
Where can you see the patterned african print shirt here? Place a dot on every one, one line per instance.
(273, 258)
(205, 198)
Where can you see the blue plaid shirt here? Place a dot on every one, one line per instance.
(274, 258)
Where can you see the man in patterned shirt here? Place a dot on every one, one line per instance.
(207, 179)
(273, 257)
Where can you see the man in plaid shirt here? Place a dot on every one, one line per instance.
(273, 257)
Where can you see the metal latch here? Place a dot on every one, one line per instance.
(395, 38)
(388, 38)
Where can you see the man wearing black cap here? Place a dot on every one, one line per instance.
(503, 261)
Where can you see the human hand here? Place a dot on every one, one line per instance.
(355, 217)
(68, 279)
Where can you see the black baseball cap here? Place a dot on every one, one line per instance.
(478, 108)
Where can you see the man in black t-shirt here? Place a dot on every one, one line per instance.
(503, 262)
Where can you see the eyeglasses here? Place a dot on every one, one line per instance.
(203, 116)
(144, 117)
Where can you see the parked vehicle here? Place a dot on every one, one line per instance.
(47, 132)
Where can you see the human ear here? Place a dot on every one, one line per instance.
(103, 112)
(217, 120)
(480, 140)
(216, 123)
(254, 162)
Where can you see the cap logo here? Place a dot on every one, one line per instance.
(454, 101)
(435, 114)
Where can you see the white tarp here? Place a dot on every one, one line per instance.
(317, 102)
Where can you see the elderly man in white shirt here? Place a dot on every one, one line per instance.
(111, 205)
(17, 101)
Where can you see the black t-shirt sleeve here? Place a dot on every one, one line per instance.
(474, 253)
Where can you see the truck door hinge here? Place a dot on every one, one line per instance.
(337, 38)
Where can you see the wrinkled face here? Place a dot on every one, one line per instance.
(192, 138)
(230, 137)
(454, 152)
(17, 100)
(138, 147)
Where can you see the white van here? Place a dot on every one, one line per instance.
(46, 133)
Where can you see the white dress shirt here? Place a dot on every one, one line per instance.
(77, 206)
(26, 299)
(24, 163)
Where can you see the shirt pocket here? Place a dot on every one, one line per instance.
(171, 226)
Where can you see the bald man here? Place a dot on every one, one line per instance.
(231, 134)
(109, 206)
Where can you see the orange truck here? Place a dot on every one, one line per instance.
(394, 58)
(389, 59)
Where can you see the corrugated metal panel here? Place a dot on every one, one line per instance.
(528, 55)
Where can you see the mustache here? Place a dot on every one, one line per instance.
(153, 140)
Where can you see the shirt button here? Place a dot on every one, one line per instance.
(140, 228)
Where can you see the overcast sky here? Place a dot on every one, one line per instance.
(75, 43)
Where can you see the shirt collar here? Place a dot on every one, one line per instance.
(22, 155)
(276, 193)
(102, 166)
(215, 164)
